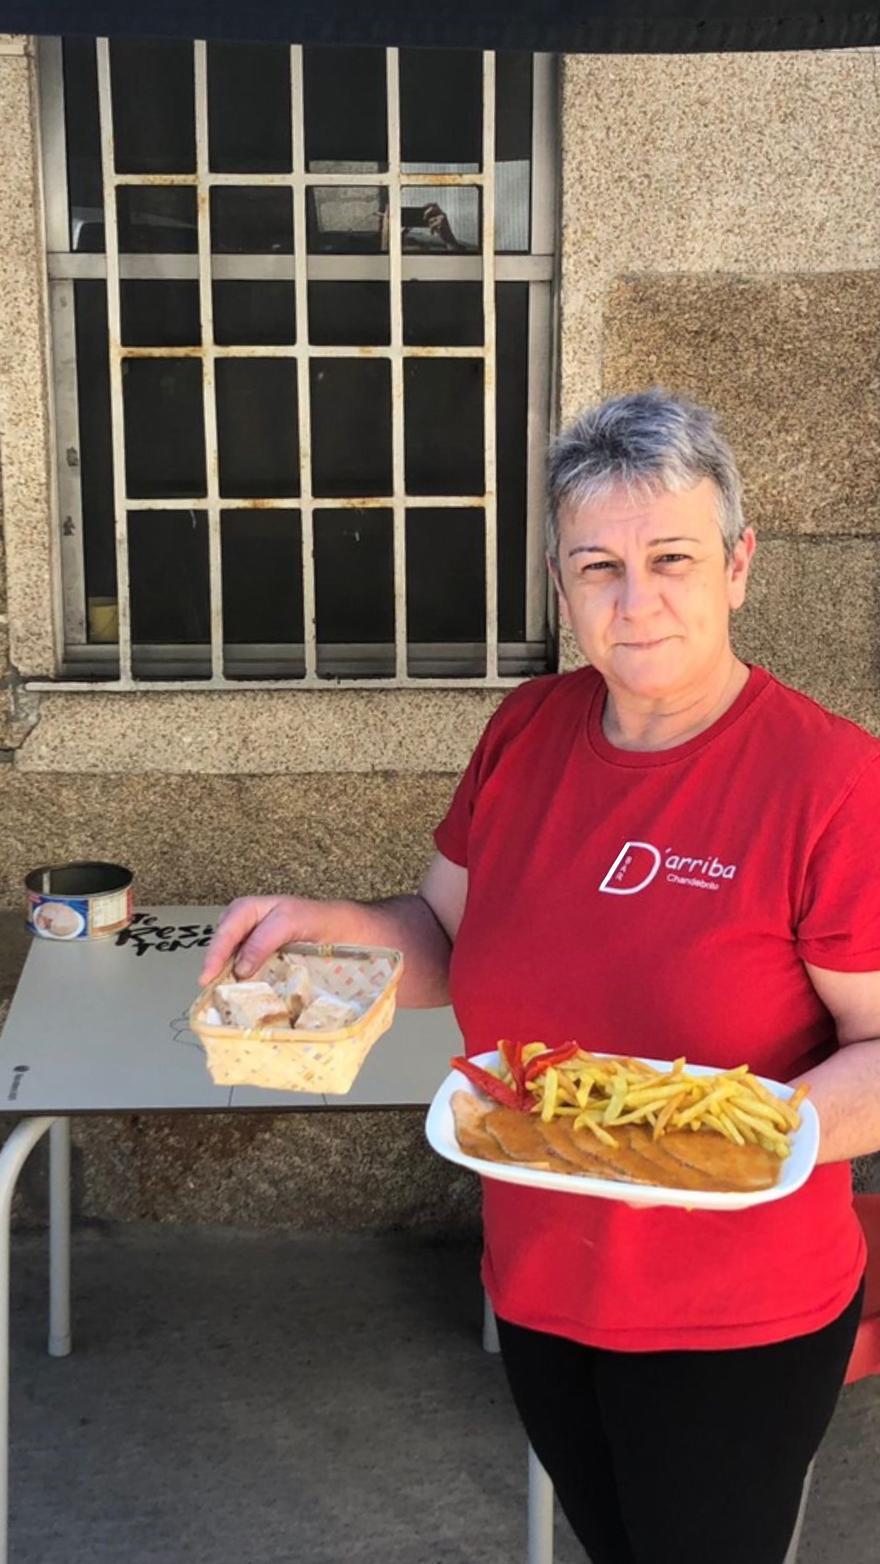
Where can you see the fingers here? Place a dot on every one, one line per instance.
(274, 930)
(234, 925)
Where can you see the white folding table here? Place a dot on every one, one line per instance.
(101, 1027)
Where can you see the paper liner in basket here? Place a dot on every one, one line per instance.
(289, 1058)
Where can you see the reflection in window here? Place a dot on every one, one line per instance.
(157, 219)
(346, 219)
(251, 220)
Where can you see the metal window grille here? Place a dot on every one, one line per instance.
(109, 653)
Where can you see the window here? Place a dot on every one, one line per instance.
(301, 314)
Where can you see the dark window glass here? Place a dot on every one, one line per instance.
(83, 133)
(251, 220)
(157, 220)
(346, 119)
(513, 107)
(262, 576)
(443, 314)
(164, 428)
(168, 563)
(345, 219)
(444, 425)
(512, 319)
(153, 106)
(445, 575)
(351, 427)
(249, 124)
(441, 113)
(356, 313)
(513, 152)
(354, 577)
(442, 220)
(95, 440)
(160, 314)
(254, 314)
(257, 431)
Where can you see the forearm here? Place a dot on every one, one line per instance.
(406, 923)
(845, 1091)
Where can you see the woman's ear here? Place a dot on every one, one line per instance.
(738, 569)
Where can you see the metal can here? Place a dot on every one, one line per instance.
(72, 901)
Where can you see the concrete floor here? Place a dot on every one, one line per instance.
(254, 1398)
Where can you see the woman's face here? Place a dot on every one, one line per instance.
(646, 589)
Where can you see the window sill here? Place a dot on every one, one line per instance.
(255, 731)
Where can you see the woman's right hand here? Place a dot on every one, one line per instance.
(257, 926)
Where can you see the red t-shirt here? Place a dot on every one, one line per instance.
(664, 903)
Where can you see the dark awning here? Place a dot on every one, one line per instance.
(563, 26)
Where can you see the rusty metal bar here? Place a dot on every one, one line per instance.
(114, 337)
(209, 396)
(352, 502)
(296, 350)
(308, 178)
(303, 384)
(395, 281)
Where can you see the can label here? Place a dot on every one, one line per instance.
(79, 917)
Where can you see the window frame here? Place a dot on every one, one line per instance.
(84, 666)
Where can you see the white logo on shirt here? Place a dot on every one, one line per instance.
(638, 863)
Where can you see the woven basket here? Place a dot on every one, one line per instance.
(288, 1059)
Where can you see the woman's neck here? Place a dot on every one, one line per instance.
(630, 723)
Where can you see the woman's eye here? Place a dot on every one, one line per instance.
(594, 566)
(672, 559)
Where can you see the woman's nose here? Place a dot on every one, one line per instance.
(637, 593)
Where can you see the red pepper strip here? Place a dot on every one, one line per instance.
(512, 1054)
(499, 1091)
(542, 1062)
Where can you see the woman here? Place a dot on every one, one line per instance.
(666, 852)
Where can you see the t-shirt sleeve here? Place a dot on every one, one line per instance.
(452, 834)
(839, 924)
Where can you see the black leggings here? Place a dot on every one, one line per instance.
(679, 1457)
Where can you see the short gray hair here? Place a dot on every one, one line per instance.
(647, 442)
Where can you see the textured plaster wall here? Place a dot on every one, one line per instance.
(721, 235)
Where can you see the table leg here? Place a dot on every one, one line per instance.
(59, 1239)
(540, 1511)
(490, 1329)
(12, 1158)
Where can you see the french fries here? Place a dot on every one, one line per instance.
(598, 1094)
